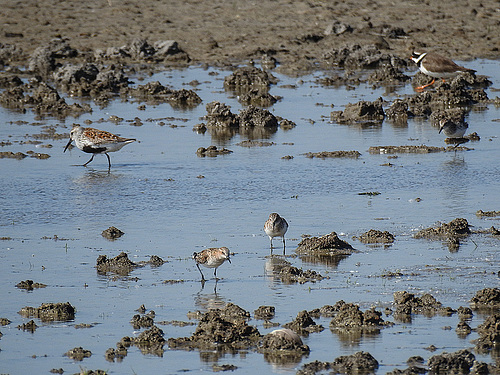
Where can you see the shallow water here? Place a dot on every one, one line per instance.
(154, 194)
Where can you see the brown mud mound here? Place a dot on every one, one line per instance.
(407, 304)
(303, 324)
(220, 115)
(487, 298)
(258, 98)
(422, 149)
(357, 57)
(112, 233)
(246, 78)
(357, 363)
(30, 326)
(78, 354)
(252, 143)
(119, 353)
(220, 330)
(12, 155)
(120, 264)
(48, 312)
(4, 321)
(29, 285)
(451, 232)
(360, 112)
(489, 334)
(458, 362)
(350, 316)
(254, 116)
(290, 274)
(212, 151)
(150, 341)
(264, 312)
(333, 154)
(376, 236)
(144, 321)
(329, 244)
(481, 213)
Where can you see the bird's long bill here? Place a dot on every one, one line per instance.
(228, 259)
(65, 148)
(440, 128)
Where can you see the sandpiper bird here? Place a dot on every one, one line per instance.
(276, 226)
(211, 258)
(94, 141)
(437, 66)
(453, 130)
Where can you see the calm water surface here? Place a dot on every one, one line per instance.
(154, 194)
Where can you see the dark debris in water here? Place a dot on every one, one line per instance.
(212, 151)
(29, 285)
(78, 354)
(112, 233)
(333, 154)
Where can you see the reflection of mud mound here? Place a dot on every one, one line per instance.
(376, 236)
(357, 363)
(407, 304)
(220, 330)
(362, 111)
(488, 298)
(48, 312)
(421, 149)
(329, 244)
(120, 264)
(303, 324)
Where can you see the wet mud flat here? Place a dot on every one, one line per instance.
(56, 79)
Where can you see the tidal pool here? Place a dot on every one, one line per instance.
(170, 202)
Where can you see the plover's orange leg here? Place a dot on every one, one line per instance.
(429, 84)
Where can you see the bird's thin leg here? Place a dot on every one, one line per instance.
(424, 86)
(202, 277)
(215, 274)
(109, 161)
(92, 158)
(283, 245)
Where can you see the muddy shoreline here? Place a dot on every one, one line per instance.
(296, 34)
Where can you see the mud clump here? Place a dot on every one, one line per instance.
(150, 341)
(120, 264)
(481, 213)
(220, 330)
(112, 233)
(329, 244)
(257, 98)
(30, 326)
(290, 274)
(253, 116)
(489, 334)
(376, 236)
(333, 154)
(421, 149)
(48, 312)
(350, 316)
(246, 78)
(144, 321)
(264, 312)
(303, 324)
(457, 362)
(357, 363)
(357, 57)
(12, 155)
(360, 112)
(212, 151)
(407, 304)
(452, 232)
(29, 285)
(220, 115)
(4, 321)
(78, 354)
(487, 298)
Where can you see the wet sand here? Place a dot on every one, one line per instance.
(296, 33)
